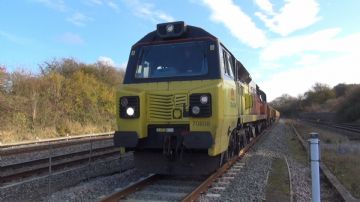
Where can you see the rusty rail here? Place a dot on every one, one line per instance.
(193, 196)
(115, 197)
(343, 192)
(49, 161)
(27, 169)
(202, 188)
(352, 131)
(31, 146)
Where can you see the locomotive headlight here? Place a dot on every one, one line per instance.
(195, 110)
(200, 105)
(130, 111)
(129, 107)
(170, 28)
(204, 99)
(124, 101)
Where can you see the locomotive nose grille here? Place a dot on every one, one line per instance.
(161, 107)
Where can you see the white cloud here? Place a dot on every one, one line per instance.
(148, 11)
(123, 65)
(308, 59)
(266, 6)
(106, 61)
(234, 19)
(79, 19)
(298, 80)
(113, 5)
(109, 3)
(294, 15)
(58, 5)
(323, 56)
(71, 38)
(320, 41)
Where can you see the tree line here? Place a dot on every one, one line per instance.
(67, 97)
(342, 100)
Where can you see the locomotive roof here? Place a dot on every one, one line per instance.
(189, 32)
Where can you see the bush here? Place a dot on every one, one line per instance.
(349, 109)
(66, 97)
(319, 94)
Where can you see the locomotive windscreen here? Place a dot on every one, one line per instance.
(173, 60)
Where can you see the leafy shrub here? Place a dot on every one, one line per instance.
(65, 98)
(349, 109)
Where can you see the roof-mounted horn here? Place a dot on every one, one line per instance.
(171, 29)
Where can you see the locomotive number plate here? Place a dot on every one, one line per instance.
(165, 130)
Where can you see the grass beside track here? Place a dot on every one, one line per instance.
(278, 183)
(296, 150)
(340, 155)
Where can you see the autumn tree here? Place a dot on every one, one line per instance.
(319, 94)
(66, 97)
(287, 105)
(349, 109)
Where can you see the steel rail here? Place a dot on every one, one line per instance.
(332, 179)
(24, 147)
(132, 188)
(41, 166)
(353, 132)
(202, 188)
(49, 140)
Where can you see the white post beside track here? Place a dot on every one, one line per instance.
(315, 160)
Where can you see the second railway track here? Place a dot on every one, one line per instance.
(352, 131)
(39, 167)
(33, 159)
(32, 170)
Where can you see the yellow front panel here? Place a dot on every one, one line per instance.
(166, 107)
(161, 100)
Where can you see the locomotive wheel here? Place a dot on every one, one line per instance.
(253, 131)
(247, 134)
(258, 129)
(238, 139)
(232, 147)
(242, 139)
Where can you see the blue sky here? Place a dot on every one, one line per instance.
(287, 45)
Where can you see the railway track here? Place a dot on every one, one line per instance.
(40, 167)
(330, 177)
(33, 159)
(352, 131)
(172, 188)
(20, 147)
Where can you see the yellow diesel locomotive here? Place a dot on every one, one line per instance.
(187, 105)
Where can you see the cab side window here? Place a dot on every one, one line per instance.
(228, 64)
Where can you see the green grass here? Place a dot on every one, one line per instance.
(278, 183)
(296, 150)
(345, 165)
(13, 135)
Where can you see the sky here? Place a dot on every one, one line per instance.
(286, 45)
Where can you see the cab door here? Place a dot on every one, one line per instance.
(239, 92)
(230, 108)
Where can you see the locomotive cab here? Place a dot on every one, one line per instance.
(181, 101)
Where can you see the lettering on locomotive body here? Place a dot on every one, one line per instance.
(201, 123)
